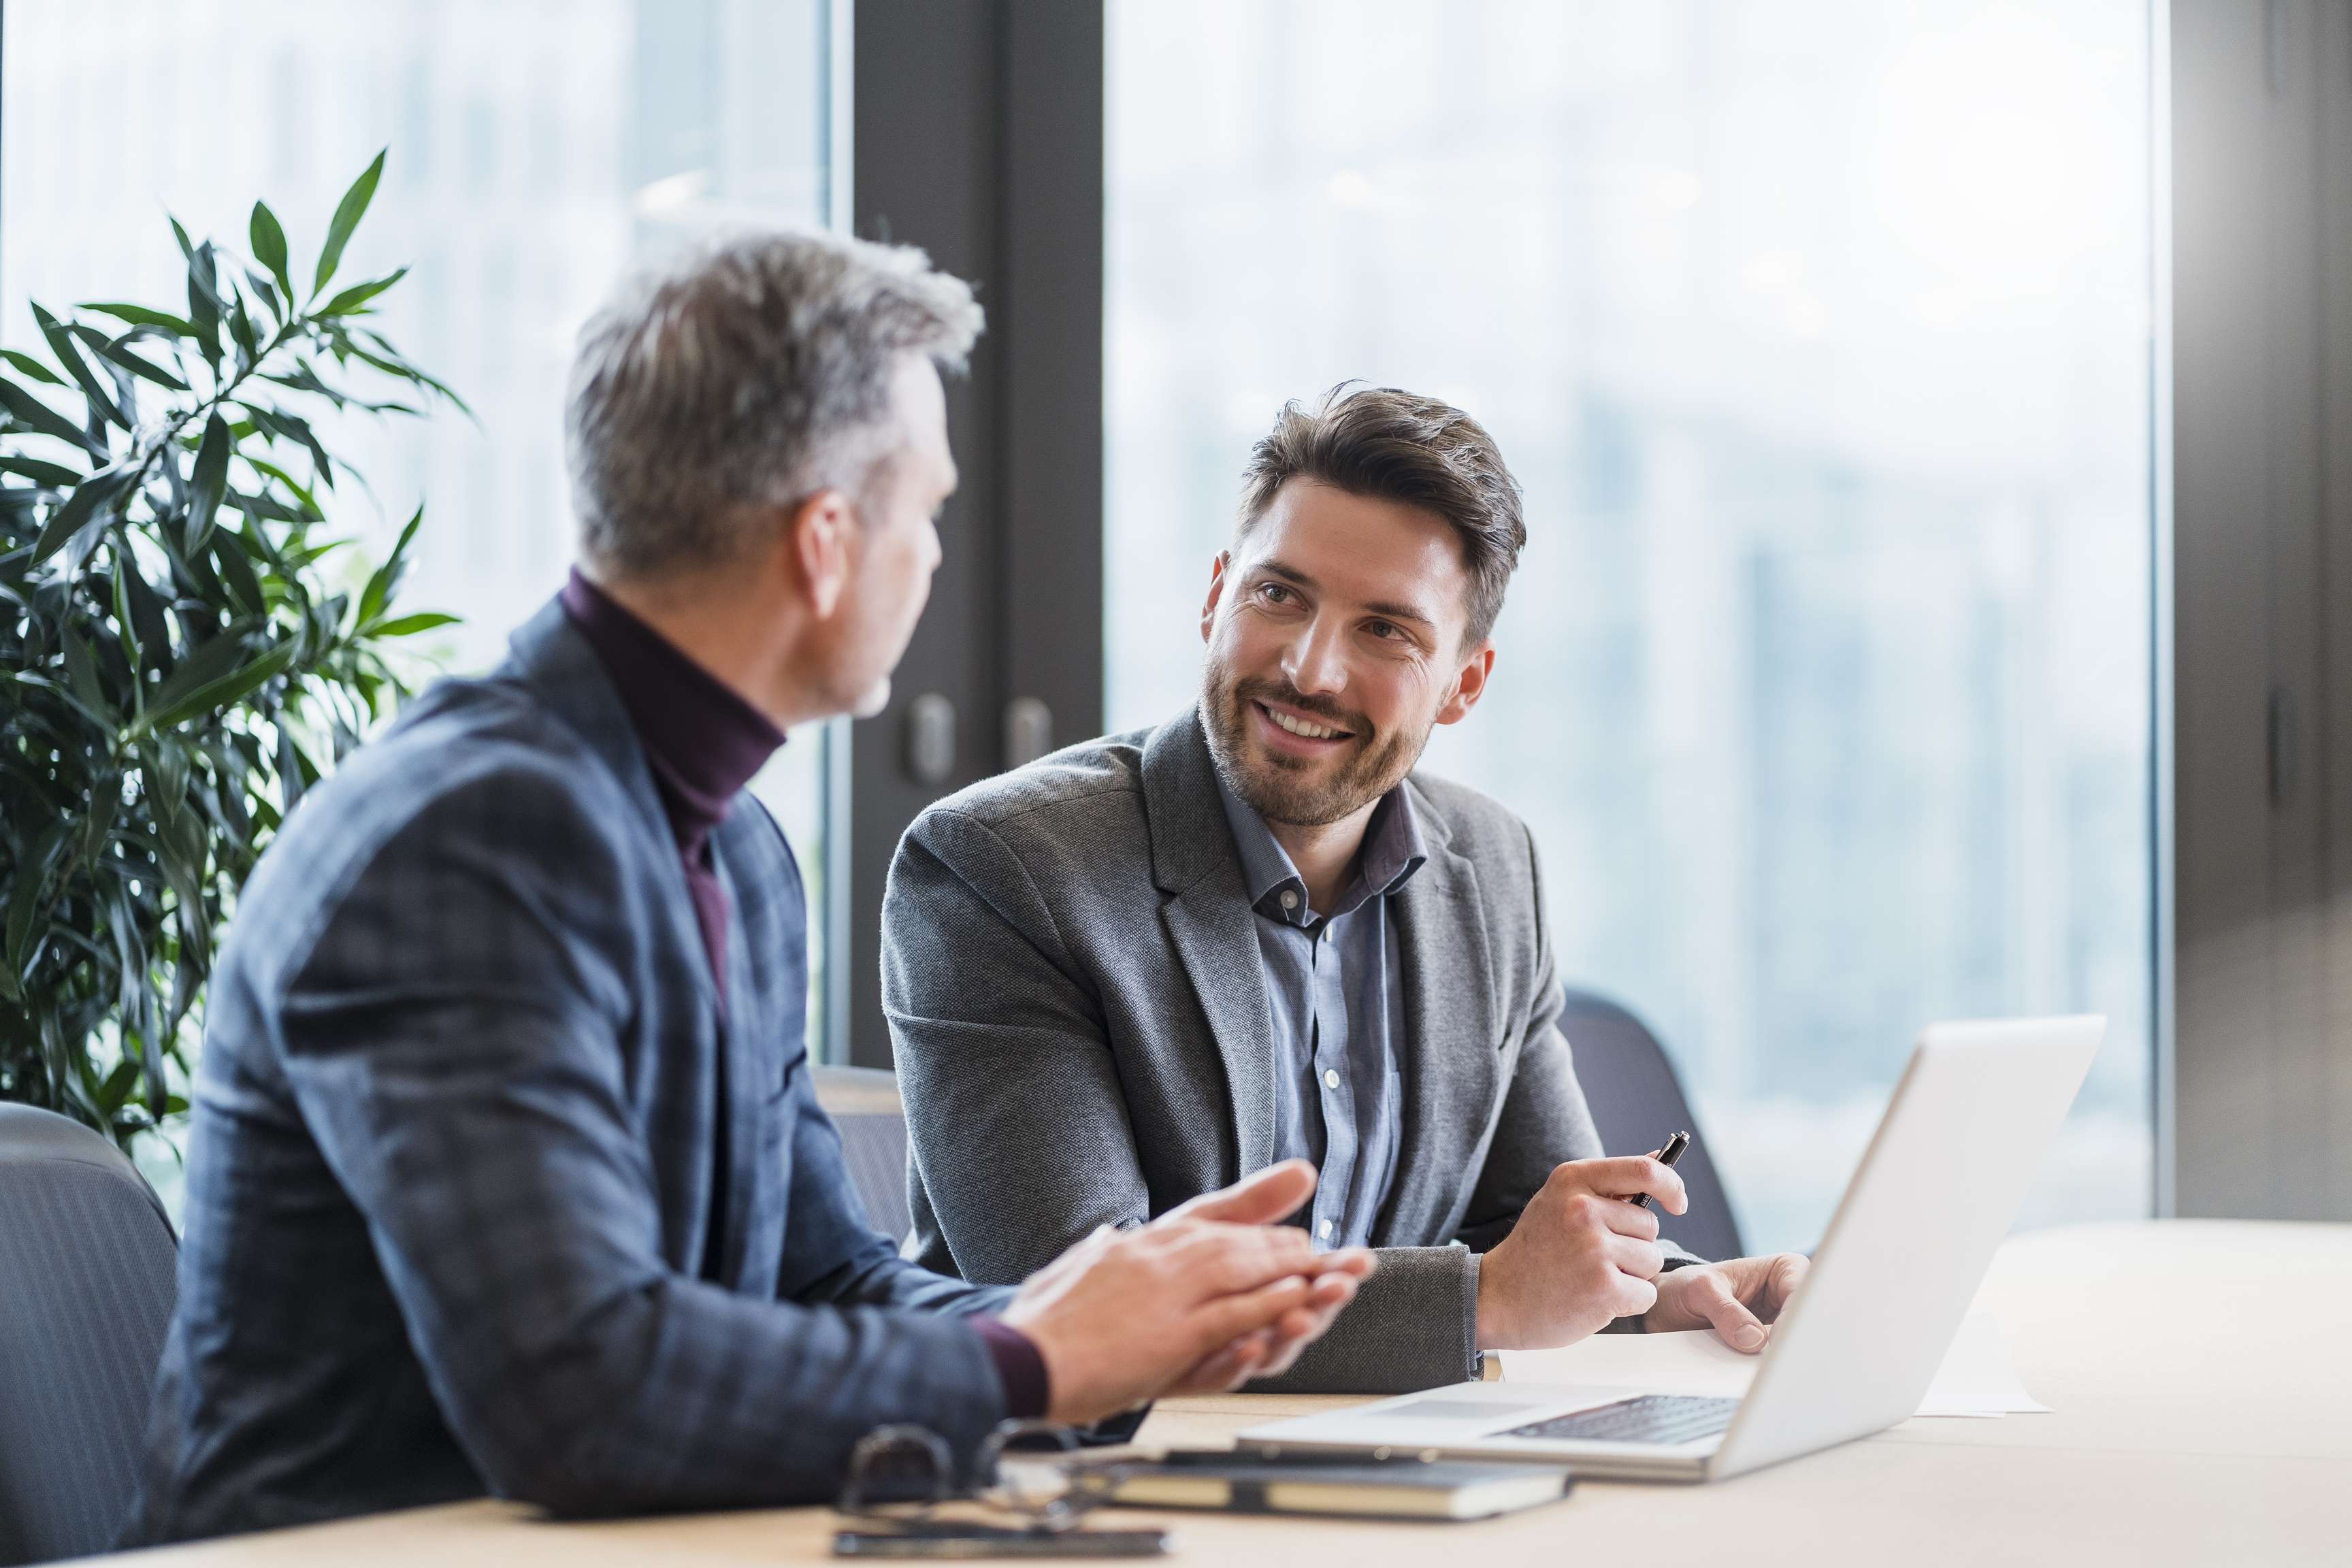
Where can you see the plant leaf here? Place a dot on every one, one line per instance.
(240, 328)
(295, 771)
(82, 674)
(208, 483)
(56, 476)
(292, 427)
(359, 294)
(29, 894)
(135, 654)
(32, 367)
(88, 502)
(236, 571)
(118, 1086)
(140, 316)
(203, 301)
(146, 611)
(266, 292)
(115, 352)
(301, 491)
(269, 246)
(102, 398)
(200, 700)
(386, 581)
(31, 411)
(348, 213)
(409, 626)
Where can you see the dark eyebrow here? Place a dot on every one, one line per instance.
(1387, 609)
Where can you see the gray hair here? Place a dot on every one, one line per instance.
(751, 370)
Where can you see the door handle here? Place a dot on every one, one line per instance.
(1028, 731)
(931, 740)
(2285, 749)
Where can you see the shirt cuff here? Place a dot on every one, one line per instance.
(1018, 1366)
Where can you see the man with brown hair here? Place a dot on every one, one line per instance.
(1144, 966)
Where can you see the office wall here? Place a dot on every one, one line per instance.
(2261, 131)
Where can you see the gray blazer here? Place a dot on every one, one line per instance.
(1083, 1036)
(453, 1144)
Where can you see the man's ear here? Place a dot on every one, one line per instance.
(818, 541)
(1468, 686)
(1216, 591)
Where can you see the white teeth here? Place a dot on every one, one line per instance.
(1301, 727)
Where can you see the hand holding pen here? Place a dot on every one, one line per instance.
(1666, 1157)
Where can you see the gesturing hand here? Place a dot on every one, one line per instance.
(1580, 1256)
(1205, 1297)
(1737, 1298)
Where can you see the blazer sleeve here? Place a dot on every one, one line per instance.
(832, 1253)
(1016, 1124)
(451, 1038)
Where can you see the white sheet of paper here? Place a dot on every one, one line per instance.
(1979, 1377)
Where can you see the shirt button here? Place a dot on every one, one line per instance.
(1289, 898)
(1323, 1231)
(1330, 1078)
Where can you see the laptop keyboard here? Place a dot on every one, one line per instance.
(1664, 1418)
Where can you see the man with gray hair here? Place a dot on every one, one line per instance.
(506, 1173)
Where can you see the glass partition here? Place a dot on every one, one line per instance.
(1818, 335)
(536, 148)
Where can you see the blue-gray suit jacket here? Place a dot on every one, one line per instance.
(449, 1180)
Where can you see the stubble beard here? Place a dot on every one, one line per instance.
(1290, 791)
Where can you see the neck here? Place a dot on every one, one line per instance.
(738, 642)
(1323, 853)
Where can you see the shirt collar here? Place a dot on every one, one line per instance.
(703, 741)
(1391, 852)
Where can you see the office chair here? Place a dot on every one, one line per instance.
(1637, 1103)
(88, 1265)
(864, 1103)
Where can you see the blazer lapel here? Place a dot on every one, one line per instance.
(1209, 923)
(740, 1032)
(1448, 1056)
(550, 655)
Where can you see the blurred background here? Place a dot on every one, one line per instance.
(1927, 603)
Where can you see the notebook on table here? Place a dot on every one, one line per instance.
(1349, 1486)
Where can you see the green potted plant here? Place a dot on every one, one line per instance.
(183, 646)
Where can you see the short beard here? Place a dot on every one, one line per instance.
(1278, 789)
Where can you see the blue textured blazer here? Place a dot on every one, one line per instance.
(450, 1173)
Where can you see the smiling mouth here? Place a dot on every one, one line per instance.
(1306, 728)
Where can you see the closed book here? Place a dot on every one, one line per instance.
(1351, 1487)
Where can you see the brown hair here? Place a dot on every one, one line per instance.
(1398, 445)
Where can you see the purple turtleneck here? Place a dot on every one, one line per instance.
(704, 743)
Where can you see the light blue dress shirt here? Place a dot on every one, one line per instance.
(1334, 984)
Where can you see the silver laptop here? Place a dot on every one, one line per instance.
(1853, 1354)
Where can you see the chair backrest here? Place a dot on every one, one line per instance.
(87, 1264)
(864, 1104)
(1637, 1103)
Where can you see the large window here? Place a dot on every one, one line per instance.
(1819, 336)
(536, 148)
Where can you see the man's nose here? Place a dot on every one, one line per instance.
(1317, 660)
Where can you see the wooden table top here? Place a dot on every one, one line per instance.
(2198, 1373)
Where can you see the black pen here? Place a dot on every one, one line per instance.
(1666, 1157)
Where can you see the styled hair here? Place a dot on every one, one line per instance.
(1392, 444)
(749, 370)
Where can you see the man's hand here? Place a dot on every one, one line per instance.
(1580, 1254)
(1204, 1298)
(1739, 1299)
